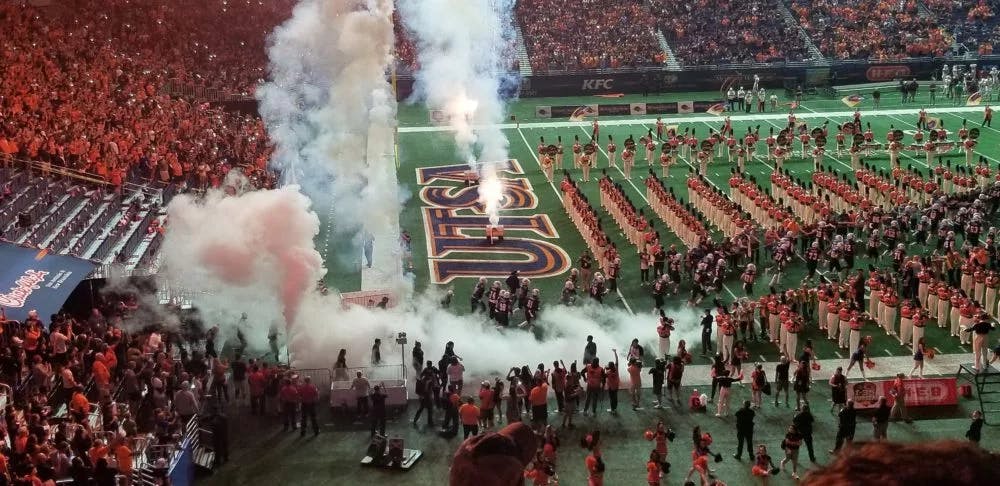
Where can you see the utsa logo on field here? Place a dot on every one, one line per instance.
(456, 226)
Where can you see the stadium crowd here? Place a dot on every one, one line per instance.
(713, 32)
(973, 23)
(92, 397)
(870, 29)
(75, 97)
(593, 34)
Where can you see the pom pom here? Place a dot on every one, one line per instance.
(649, 435)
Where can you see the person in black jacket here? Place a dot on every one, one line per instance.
(804, 423)
(880, 421)
(847, 420)
(975, 431)
(744, 430)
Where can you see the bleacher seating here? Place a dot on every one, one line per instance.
(973, 23)
(724, 32)
(588, 34)
(880, 30)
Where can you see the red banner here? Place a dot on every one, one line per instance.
(919, 393)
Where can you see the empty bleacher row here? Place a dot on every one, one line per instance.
(70, 216)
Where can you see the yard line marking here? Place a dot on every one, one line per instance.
(839, 356)
(984, 128)
(690, 119)
(552, 184)
(531, 150)
(887, 352)
(643, 196)
(762, 359)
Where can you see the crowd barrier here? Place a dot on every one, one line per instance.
(392, 377)
(367, 298)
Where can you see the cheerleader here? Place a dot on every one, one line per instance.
(628, 161)
(663, 328)
(859, 356)
(584, 162)
(661, 435)
(594, 461)
(762, 465)
(653, 470)
(699, 457)
(791, 444)
(547, 167)
(558, 162)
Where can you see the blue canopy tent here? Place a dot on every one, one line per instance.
(32, 279)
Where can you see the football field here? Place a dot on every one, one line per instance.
(449, 249)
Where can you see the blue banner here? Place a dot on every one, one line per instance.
(31, 279)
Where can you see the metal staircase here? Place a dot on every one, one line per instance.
(672, 62)
(814, 52)
(987, 389)
(524, 60)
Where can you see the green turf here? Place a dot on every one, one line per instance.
(264, 456)
(436, 148)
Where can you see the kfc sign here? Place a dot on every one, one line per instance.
(598, 84)
(23, 287)
(887, 73)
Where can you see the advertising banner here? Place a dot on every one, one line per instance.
(31, 279)
(919, 393)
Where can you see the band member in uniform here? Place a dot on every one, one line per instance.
(659, 128)
(559, 153)
(547, 168)
(650, 148)
(577, 151)
(595, 130)
(666, 160)
(628, 161)
(612, 152)
(585, 165)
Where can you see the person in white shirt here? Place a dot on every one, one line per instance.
(456, 371)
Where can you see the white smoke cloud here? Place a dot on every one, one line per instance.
(251, 252)
(327, 102)
(460, 48)
(254, 253)
(486, 351)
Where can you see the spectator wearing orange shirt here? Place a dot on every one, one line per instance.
(469, 414)
(539, 397)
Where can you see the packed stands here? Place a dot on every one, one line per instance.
(721, 32)
(870, 29)
(973, 23)
(94, 397)
(74, 100)
(588, 34)
(406, 51)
